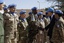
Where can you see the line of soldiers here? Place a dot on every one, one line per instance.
(36, 28)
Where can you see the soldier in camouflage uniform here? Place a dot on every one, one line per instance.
(40, 23)
(10, 25)
(47, 19)
(47, 22)
(22, 27)
(5, 11)
(1, 22)
(34, 14)
(58, 30)
(32, 28)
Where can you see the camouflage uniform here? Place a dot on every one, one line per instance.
(32, 28)
(32, 31)
(47, 22)
(10, 27)
(57, 36)
(40, 35)
(22, 30)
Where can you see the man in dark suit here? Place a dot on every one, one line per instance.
(63, 15)
(52, 22)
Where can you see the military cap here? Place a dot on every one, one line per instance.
(30, 13)
(11, 6)
(1, 1)
(39, 13)
(50, 10)
(34, 8)
(22, 12)
(46, 12)
(5, 8)
(59, 12)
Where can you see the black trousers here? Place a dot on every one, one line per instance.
(50, 38)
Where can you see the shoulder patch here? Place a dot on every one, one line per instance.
(58, 26)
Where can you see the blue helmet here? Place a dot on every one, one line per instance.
(50, 10)
(59, 12)
(39, 13)
(11, 6)
(30, 13)
(34, 8)
(22, 12)
(1, 1)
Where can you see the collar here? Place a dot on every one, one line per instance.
(57, 19)
(12, 13)
(47, 16)
(52, 15)
(22, 19)
(41, 19)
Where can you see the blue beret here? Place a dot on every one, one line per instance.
(59, 12)
(23, 12)
(11, 6)
(34, 8)
(50, 10)
(46, 12)
(1, 1)
(39, 13)
(5, 8)
(30, 13)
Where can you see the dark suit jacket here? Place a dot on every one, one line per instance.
(50, 27)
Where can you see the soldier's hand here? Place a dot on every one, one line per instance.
(40, 24)
(40, 28)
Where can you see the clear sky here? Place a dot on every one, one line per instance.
(28, 4)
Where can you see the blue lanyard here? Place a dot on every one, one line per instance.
(22, 19)
(12, 13)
